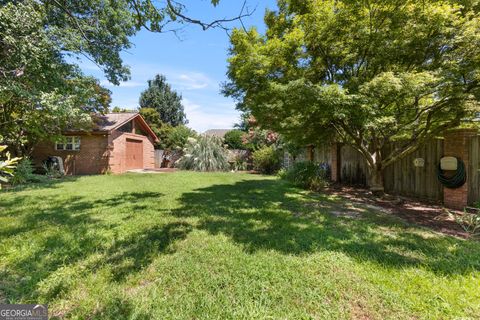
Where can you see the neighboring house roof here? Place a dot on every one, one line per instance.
(217, 132)
(111, 121)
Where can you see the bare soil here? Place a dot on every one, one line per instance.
(425, 213)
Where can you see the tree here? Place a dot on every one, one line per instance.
(234, 139)
(365, 73)
(40, 94)
(170, 137)
(164, 100)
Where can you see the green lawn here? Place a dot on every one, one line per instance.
(223, 246)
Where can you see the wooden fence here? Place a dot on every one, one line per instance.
(472, 170)
(158, 158)
(403, 177)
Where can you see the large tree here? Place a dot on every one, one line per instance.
(164, 100)
(365, 73)
(41, 93)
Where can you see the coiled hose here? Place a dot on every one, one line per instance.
(455, 181)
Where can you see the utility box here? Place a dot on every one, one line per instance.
(449, 163)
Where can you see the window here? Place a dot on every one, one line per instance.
(69, 144)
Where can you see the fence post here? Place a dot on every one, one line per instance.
(456, 144)
(336, 161)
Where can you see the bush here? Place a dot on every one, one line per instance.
(234, 139)
(23, 173)
(204, 154)
(308, 175)
(470, 222)
(266, 160)
(173, 138)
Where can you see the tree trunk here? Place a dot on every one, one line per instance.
(375, 180)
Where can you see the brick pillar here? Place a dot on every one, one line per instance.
(456, 145)
(335, 164)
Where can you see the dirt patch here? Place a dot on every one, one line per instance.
(428, 214)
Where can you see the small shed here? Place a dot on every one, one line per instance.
(118, 142)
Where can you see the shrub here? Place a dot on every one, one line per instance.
(470, 222)
(173, 138)
(204, 154)
(266, 160)
(309, 175)
(23, 173)
(234, 139)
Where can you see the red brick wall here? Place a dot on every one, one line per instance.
(456, 145)
(117, 141)
(92, 158)
(98, 154)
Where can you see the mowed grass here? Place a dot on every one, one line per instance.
(223, 246)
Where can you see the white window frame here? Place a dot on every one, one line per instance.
(71, 143)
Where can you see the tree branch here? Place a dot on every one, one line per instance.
(213, 24)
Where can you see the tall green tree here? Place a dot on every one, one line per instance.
(365, 73)
(164, 100)
(40, 93)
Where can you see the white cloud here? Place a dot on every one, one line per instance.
(201, 119)
(189, 80)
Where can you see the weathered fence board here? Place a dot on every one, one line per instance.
(472, 171)
(158, 158)
(404, 178)
(353, 169)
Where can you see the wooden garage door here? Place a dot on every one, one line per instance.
(134, 154)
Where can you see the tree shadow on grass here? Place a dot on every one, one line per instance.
(270, 215)
(72, 230)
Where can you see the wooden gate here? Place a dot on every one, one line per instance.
(134, 154)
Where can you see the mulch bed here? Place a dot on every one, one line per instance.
(428, 214)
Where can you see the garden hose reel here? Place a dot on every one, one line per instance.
(451, 172)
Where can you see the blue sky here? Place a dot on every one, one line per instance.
(195, 66)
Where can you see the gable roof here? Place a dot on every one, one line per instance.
(217, 132)
(112, 121)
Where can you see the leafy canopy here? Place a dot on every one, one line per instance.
(164, 100)
(170, 137)
(234, 139)
(40, 94)
(362, 72)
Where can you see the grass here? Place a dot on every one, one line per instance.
(223, 246)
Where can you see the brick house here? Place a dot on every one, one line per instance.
(117, 143)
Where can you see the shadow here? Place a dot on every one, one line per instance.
(271, 215)
(138, 250)
(71, 230)
(44, 183)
